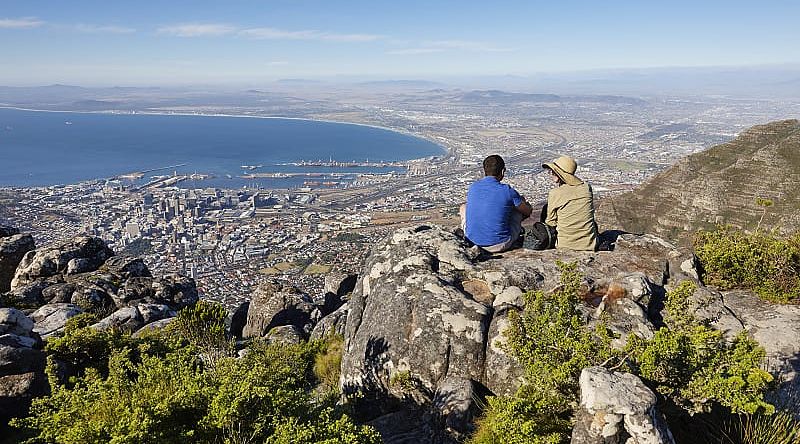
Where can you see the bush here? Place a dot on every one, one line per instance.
(763, 262)
(164, 389)
(690, 363)
(552, 343)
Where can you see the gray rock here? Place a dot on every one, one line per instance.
(126, 267)
(17, 391)
(776, 327)
(285, 334)
(15, 322)
(50, 261)
(155, 325)
(12, 250)
(59, 293)
(615, 405)
(16, 341)
(30, 295)
(50, 319)
(133, 318)
(456, 401)
(333, 324)
(274, 305)
(15, 360)
(504, 374)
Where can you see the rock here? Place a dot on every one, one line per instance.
(28, 296)
(410, 426)
(16, 341)
(17, 391)
(16, 360)
(126, 267)
(155, 325)
(456, 401)
(59, 293)
(776, 327)
(285, 334)
(332, 324)
(133, 318)
(504, 374)
(337, 288)
(175, 291)
(615, 405)
(236, 320)
(92, 299)
(12, 249)
(274, 305)
(15, 322)
(50, 319)
(50, 261)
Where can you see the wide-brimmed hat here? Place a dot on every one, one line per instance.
(564, 167)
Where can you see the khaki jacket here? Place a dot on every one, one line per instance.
(570, 208)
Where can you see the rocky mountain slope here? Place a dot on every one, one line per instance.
(719, 185)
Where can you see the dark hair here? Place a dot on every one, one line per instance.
(493, 165)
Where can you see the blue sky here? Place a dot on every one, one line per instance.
(237, 42)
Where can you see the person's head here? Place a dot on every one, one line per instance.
(564, 169)
(494, 166)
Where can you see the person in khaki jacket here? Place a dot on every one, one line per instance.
(570, 207)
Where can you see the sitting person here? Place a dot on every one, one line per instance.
(492, 217)
(570, 207)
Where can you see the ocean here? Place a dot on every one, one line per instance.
(52, 148)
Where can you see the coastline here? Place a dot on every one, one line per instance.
(448, 152)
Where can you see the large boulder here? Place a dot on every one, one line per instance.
(332, 324)
(12, 250)
(428, 308)
(133, 318)
(21, 364)
(50, 319)
(6, 231)
(273, 305)
(80, 255)
(615, 408)
(175, 291)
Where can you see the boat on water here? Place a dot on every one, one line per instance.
(310, 183)
(67, 123)
(251, 167)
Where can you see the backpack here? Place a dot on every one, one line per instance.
(540, 237)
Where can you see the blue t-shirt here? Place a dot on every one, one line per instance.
(489, 208)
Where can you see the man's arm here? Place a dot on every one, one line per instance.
(525, 208)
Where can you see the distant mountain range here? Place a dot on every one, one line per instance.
(718, 186)
(504, 97)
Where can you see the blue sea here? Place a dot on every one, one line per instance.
(51, 148)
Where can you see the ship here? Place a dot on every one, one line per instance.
(310, 183)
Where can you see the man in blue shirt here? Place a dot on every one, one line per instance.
(492, 217)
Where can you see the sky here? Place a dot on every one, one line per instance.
(149, 43)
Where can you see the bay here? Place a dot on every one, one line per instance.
(50, 148)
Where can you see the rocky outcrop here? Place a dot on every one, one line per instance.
(274, 305)
(12, 249)
(82, 254)
(332, 324)
(430, 310)
(21, 364)
(616, 408)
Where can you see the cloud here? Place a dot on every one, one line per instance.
(197, 30)
(415, 51)
(99, 29)
(20, 23)
(436, 46)
(281, 34)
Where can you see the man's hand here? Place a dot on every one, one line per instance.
(525, 208)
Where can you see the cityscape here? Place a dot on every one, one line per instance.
(230, 240)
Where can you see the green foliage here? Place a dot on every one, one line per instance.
(763, 262)
(778, 428)
(690, 363)
(157, 389)
(551, 341)
(694, 365)
(203, 326)
(328, 363)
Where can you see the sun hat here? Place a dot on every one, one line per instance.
(564, 167)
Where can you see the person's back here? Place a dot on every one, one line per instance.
(570, 207)
(492, 217)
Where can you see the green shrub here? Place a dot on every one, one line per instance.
(690, 363)
(694, 365)
(552, 343)
(328, 363)
(763, 262)
(203, 326)
(157, 389)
